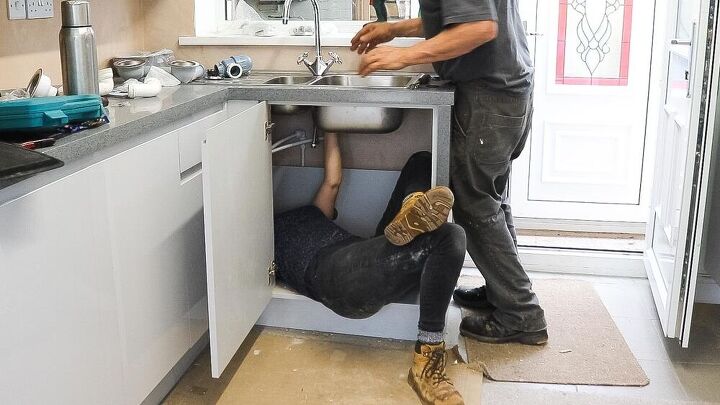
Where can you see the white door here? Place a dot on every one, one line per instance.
(237, 197)
(584, 159)
(687, 74)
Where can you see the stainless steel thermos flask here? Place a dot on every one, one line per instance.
(78, 52)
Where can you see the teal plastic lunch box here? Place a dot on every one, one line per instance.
(48, 112)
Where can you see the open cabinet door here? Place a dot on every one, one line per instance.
(686, 120)
(238, 207)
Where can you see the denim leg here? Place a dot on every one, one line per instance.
(380, 10)
(415, 176)
(490, 129)
(357, 279)
(505, 206)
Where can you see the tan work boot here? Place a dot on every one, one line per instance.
(427, 377)
(420, 213)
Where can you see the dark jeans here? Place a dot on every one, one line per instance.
(489, 131)
(380, 10)
(357, 279)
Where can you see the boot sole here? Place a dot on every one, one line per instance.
(539, 338)
(427, 214)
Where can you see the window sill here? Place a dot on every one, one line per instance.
(330, 40)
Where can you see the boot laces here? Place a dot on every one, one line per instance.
(435, 368)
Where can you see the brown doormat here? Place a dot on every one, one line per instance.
(585, 346)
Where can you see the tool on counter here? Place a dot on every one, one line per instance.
(34, 114)
(50, 139)
(78, 52)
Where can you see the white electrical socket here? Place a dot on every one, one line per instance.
(39, 9)
(17, 10)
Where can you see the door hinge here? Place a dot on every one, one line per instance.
(271, 273)
(268, 130)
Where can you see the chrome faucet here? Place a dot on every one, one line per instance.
(319, 67)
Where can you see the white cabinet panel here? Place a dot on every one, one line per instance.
(60, 341)
(237, 187)
(157, 248)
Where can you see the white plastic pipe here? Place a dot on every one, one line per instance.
(150, 88)
(292, 145)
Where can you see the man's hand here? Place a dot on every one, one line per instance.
(370, 36)
(453, 41)
(383, 58)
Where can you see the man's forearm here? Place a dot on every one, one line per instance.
(452, 42)
(408, 28)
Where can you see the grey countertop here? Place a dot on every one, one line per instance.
(131, 118)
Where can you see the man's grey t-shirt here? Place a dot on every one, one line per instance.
(503, 63)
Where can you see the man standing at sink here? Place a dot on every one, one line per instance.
(480, 45)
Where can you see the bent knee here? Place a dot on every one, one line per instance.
(420, 158)
(452, 238)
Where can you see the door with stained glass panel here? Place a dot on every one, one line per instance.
(585, 157)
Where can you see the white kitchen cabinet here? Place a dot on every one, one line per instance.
(157, 247)
(237, 189)
(59, 339)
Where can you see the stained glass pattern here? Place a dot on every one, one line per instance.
(593, 46)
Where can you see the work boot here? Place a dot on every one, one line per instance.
(420, 213)
(427, 376)
(473, 298)
(487, 329)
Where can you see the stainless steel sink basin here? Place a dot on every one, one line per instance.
(396, 81)
(351, 119)
(362, 119)
(358, 119)
(290, 80)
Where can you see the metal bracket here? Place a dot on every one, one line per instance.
(268, 130)
(271, 273)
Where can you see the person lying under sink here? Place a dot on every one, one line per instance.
(356, 277)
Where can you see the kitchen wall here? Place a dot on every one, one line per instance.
(26, 45)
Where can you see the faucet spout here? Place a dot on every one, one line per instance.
(286, 11)
(319, 67)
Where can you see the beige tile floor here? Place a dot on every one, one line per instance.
(295, 367)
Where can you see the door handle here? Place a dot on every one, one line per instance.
(691, 62)
(680, 41)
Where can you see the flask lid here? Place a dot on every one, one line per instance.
(75, 13)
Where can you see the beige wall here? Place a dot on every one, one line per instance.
(26, 45)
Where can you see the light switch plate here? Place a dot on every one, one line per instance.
(17, 9)
(39, 9)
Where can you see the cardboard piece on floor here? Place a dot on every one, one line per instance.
(585, 346)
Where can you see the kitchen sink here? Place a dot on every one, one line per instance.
(358, 119)
(362, 119)
(352, 119)
(290, 80)
(393, 81)
(288, 109)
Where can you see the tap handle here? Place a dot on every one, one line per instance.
(303, 58)
(335, 58)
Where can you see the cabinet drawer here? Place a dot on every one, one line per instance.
(190, 138)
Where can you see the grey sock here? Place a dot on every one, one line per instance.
(430, 337)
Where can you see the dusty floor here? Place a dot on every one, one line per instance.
(294, 367)
(280, 366)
